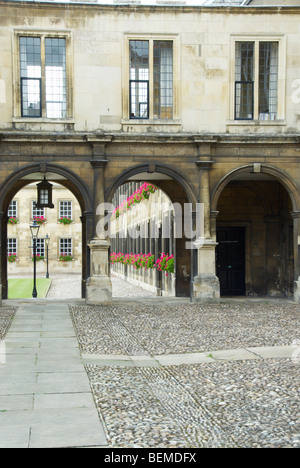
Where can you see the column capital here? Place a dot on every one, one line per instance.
(204, 165)
(98, 163)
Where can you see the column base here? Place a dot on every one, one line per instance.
(98, 291)
(297, 291)
(98, 286)
(206, 289)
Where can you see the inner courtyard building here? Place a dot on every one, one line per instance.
(200, 101)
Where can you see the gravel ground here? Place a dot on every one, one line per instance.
(249, 404)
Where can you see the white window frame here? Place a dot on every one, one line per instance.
(63, 209)
(10, 249)
(13, 209)
(61, 247)
(35, 210)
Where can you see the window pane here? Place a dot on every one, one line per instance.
(268, 80)
(11, 246)
(244, 79)
(163, 79)
(30, 69)
(65, 209)
(12, 209)
(37, 212)
(65, 246)
(40, 247)
(139, 79)
(55, 72)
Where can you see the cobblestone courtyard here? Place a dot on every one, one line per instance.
(238, 402)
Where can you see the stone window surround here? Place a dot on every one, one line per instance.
(65, 34)
(257, 38)
(176, 79)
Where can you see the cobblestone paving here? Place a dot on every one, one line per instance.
(6, 316)
(251, 403)
(221, 404)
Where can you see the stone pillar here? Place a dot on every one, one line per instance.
(296, 218)
(206, 285)
(98, 286)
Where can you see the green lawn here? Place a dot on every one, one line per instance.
(22, 288)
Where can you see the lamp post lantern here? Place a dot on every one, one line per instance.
(34, 228)
(44, 194)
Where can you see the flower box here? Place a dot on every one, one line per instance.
(39, 219)
(13, 220)
(38, 257)
(12, 258)
(65, 221)
(65, 258)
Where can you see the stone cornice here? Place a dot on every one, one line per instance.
(246, 9)
(95, 139)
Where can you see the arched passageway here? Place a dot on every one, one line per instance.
(256, 233)
(34, 174)
(177, 191)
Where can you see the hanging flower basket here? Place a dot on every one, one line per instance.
(142, 193)
(13, 220)
(39, 219)
(63, 220)
(12, 258)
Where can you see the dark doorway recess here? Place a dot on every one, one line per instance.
(231, 260)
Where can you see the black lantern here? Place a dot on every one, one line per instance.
(44, 198)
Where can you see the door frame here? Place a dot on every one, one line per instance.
(248, 235)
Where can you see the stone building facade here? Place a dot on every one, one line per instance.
(204, 101)
(64, 249)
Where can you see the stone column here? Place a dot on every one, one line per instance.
(206, 286)
(98, 287)
(296, 218)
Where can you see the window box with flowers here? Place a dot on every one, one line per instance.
(38, 257)
(12, 258)
(13, 220)
(64, 220)
(39, 219)
(164, 264)
(65, 258)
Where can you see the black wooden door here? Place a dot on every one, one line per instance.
(231, 260)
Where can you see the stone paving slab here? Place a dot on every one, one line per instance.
(45, 395)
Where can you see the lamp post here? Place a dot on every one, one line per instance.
(47, 240)
(34, 228)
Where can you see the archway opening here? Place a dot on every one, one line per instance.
(151, 227)
(67, 252)
(255, 252)
(58, 249)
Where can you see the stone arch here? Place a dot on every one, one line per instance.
(278, 230)
(16, 181)
(276, 173)
(179, 190)
(156, 168)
